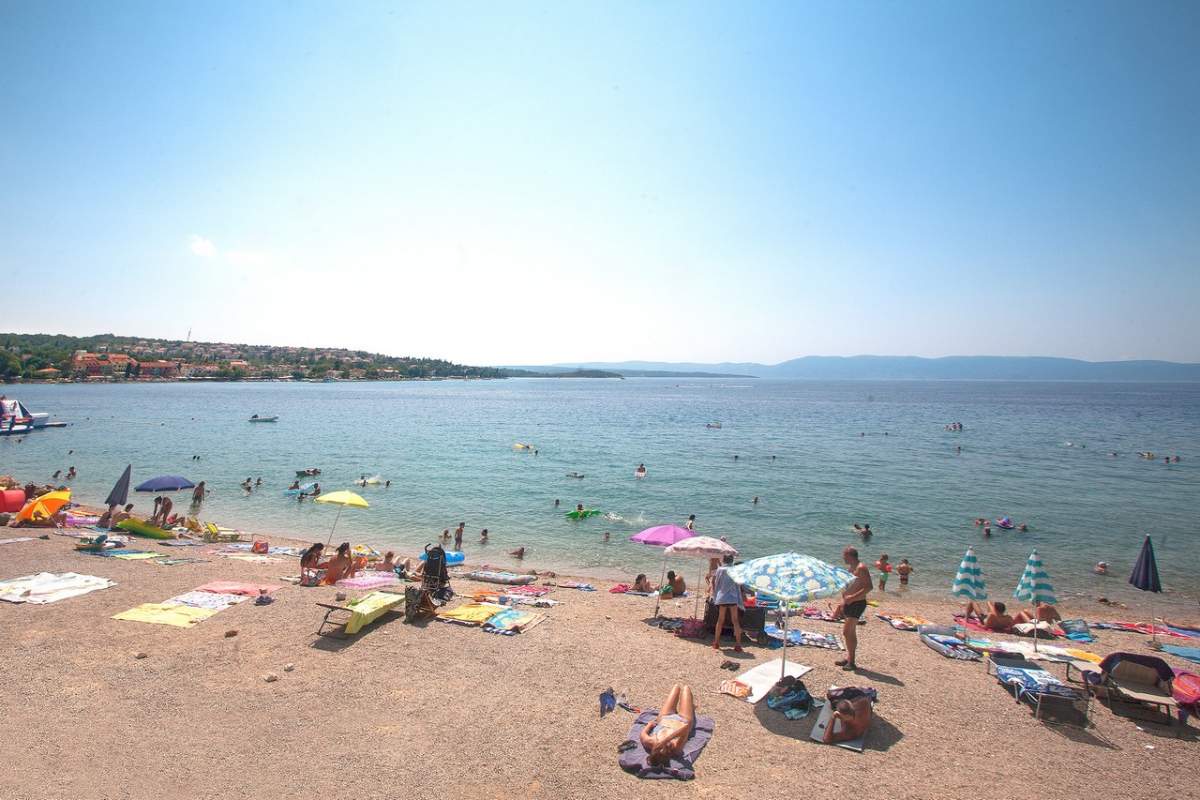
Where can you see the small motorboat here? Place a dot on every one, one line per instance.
(716, 426)
(257, 418)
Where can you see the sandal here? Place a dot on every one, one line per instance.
(850, 666)
(841, 662)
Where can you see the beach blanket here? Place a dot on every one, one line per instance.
(902, 623)
(179, 616)
(760, 679)
(586, 587)
(236, 587)
(1044, 630)
(179, 543)
(1146, 628)
(798, 638)
(50, 587)
(532, 591)
(369, 581)
(274, 550)
(16, 539)
(1076, 630)
(510, 619)
(636, 761)
(620, 588)
(252, 558)
(174, 562)
(112, 552)
(210, 600)
(818, 731)
(823, 615)
(949, 646)
(369, 608)
(536, 602)
(133, 555)
(511, 578)
(470, 613)
(1190, 653)
(972, 624)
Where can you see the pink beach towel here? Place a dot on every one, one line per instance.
(236, 587)
(533, 591)
(369, 581)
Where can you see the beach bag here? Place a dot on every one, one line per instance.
(261, 546)
(692, 628)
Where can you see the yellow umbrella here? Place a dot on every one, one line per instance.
(342, 500)
(45, 506)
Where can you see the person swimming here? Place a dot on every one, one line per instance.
(1101, 568)
(518, 553)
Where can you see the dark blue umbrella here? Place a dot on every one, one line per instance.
(1145, 571)
(1145, 577)
(165, 483)
(119, 495)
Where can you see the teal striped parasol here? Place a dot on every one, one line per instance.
(969, 580)
(1034, 587)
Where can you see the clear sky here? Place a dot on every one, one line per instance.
(538, 182)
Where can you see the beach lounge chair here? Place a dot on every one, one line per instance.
(361, 612)
(1136, 680)
(214, 534)
(1042, 691)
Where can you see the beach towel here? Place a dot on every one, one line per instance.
(1076, 630)
(369, 608)
(470, 613)
(1044, 630)
(823, 615)
(1190, 653)
(531, 591)
(274, 549)
(236, 587)
(818, 731)
(179, 616)
(17, 539)
(799, 638)
(369, 581)
(133, 555)
(50, 587)
(179, 543)
(636, 761)
(174, 562)
(1142, 627)
(210, 600)
(950, 647)
(760, 679)
(587, 587)
(510, 578)
(254, 559)
(972, 624)
(510, 619)
(901, 623)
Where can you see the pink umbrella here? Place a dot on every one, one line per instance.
(661, 536)
(701, 547)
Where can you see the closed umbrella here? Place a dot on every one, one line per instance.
(1035, 587)
(119, 495)
(968, 582)
(700, 547)
(1145, 577)
(661, 536)
(342, 499)
(790, 578)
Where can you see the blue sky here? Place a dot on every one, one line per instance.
(526, 183)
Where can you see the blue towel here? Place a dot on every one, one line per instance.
(1076, 630)
(1190, 653)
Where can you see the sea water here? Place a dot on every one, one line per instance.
(820, 456)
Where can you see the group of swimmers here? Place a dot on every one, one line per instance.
(954, 426)
(71, 473)
(987, 525)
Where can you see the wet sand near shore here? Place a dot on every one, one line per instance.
(438, 710)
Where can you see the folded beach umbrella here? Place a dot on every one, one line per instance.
(700, 547)
(1145, 577)
(661, 536)
(119, 495)
(1034, 587)
(45, 506)
(341, 499)
(968, 582)
(165, 483)
(790, 578)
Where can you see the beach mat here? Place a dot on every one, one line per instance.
(50, 587)
(179, 616)
(818, 731)
(760, 679)
(1190, 653)
(636, 761)
(16, 539)
(237, 587)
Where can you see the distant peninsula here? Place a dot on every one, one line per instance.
(996, 368)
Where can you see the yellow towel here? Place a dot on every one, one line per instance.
(369, 608)
(136, 556)
(162, 614)
(1082, 655)
(472, 613)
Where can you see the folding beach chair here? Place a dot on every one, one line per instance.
(1137, 680)
(1043, 692)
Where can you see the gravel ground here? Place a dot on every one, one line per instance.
(445, 711)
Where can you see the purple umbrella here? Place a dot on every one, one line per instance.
(661, 536)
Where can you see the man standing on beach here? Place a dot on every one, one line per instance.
(854, 603)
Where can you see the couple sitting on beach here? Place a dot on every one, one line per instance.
(994, 616)
(314, 572)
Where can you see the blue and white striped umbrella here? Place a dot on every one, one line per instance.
(1034, 586)
(969, 580)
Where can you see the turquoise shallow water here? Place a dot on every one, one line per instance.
(447, 447)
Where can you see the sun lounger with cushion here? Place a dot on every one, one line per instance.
(1031, 684)
(362, 612)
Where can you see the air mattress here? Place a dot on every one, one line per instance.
(139, 528)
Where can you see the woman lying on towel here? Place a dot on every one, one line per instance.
(994, 617)
(850, 720)
(665, 737)
(1042, 612)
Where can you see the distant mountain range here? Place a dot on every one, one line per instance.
(1009, 368)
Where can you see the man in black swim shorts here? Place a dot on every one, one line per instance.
(854, 603)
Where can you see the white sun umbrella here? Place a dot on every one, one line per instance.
(1035, 587)
(701, 547)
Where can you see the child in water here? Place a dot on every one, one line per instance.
(904, 569)
(884, 568)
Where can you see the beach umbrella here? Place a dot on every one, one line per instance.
(1145, 577)
(790, 578)
(165, 483)
(661, 536)
(968, 582)
(342, 499)
(45, 506)
(119, 495)
(1034, 587)
(700, 547)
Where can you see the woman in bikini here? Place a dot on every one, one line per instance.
(665, 737)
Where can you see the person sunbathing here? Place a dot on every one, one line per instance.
(850, 720)
(995, 618)
(642, 584)
(339, 567)
(674, 587)
(388, 564)
(665, 737)
(1042, 612)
